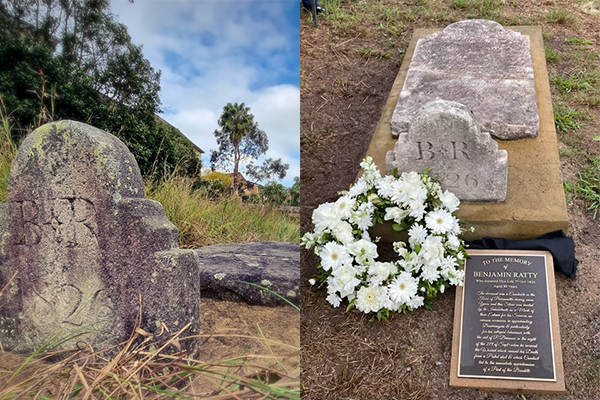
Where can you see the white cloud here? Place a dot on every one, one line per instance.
(214, 52)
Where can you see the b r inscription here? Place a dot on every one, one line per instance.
(444, 137)
(66, 221)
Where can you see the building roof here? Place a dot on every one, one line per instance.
(198, 149)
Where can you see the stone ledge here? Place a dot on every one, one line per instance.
(536, 201)
(275, 265)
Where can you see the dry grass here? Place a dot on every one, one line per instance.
(202, 221)
(142, 372)
(144, 367)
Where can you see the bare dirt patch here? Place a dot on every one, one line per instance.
(348, 65)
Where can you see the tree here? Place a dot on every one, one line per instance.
(240, 137)
(71, 59)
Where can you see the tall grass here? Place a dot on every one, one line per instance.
(8, 149)
(202, 221)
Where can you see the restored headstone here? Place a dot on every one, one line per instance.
(445, 137)
(506, 331)
(86, 247)
(480, 64)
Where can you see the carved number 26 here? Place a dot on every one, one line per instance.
(453, 180)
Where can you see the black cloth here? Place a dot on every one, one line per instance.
(560, 245)
(308, 4)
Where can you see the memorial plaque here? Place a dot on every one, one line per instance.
(506, 334)
(445, 137)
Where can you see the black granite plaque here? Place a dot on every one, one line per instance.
(506, 323)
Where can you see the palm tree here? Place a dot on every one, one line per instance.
(237, 122)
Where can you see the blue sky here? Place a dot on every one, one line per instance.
(214, 52)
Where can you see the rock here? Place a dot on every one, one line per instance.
(480, 64)
(274, 265)
(86, 245)
(445, 137)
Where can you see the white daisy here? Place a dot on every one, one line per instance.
(334, 255)
(344, 206)
(403, 288)
(439, 221)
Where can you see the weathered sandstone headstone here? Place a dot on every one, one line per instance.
(444, 136)
(480, 64)
(85, 245)
(274, 265)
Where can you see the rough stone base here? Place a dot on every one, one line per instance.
(536, 201)
(274, 265)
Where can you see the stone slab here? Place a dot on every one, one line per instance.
(477, 63)
(274, 265)
(445, 137)
(88, 252)
(530, 358)
(535, 201)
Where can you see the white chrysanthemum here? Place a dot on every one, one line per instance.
(395, 213)
(362, 217)
(453, 242)
(309, 240)
(370, 298)
(343, 232)
(430, 272)
(439, 221)
(417, 234)
(363, 251)
(324, 217)
(386, 186)
(334, 255)
(344, 206)
(360, 187)
(380, 271)
(403, 288)
(334, 300)
(416, 302)
(417, 209)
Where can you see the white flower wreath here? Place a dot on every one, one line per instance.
(426, 265)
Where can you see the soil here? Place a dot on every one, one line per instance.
(343, 90)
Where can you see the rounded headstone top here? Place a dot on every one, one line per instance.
(437, 115)
(474, 26)
(57, 151)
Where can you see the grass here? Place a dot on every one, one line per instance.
(141, 371)
(368, 52)
(552, 55)
(588, 185)
(559, 17)
(566, 118)
(202, 221)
